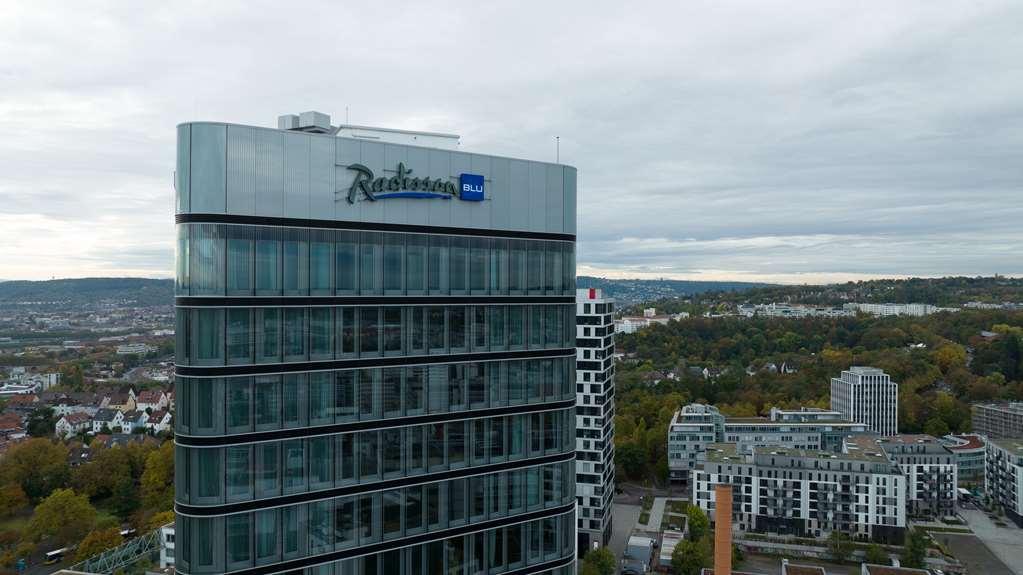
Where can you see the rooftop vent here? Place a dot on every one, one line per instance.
(315, 122)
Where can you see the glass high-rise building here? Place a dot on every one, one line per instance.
(375, 354)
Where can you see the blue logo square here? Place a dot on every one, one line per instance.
(470, 187)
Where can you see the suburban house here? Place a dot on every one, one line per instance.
(151, 400)
(112, 419)
(159, 421)
(72, 424)
(133, 420)
(121, 401)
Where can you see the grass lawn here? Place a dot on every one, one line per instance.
(644, 517)
(17, 523)
(676, 506)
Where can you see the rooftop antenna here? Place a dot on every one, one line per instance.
(347, 123)
(557, 153)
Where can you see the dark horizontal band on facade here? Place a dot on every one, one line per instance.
(366, 226)
(395, 361)
(305, 301)
(203, 441)
(383, 546)
(220, 509)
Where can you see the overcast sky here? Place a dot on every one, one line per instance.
(802, 141)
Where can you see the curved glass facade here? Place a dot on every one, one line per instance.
(241, 260)
(364, 390)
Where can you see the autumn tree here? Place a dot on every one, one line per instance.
(12, 500)
(157, 483)
(38, 466)
(98, 541)
(63, 517)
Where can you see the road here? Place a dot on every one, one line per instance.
(624, 518)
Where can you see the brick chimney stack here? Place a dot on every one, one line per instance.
(723, 530)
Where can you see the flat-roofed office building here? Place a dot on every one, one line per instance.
(375, 354)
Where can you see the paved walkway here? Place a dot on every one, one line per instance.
(656, 514)
(1005, 542)
(623, 519)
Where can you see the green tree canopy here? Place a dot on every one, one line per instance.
(699, 523)
(63, 517)
(839, 546)
(876, 555)
(915, 550)
(690, 557)
(599, 561)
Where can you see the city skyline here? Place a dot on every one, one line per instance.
(779, 142)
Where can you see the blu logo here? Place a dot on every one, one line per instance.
(471, 187)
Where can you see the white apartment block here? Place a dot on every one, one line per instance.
(696, 426)
(931, 472)
(595, 391)
(891, 309)
(807, 493)
(867, 395)
(1003, 476)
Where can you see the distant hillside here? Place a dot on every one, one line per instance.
(87, 292)
(628, 292)
(946, 291)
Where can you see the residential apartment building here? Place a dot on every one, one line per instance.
(893, 309)
(970, 453)
(594, 416)
(696, 426)
(931, 473)
(807, 493)
(1003, 477)
(375, 354)
(1003, 420)
(867, 395)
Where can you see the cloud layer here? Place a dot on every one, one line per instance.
(780, 141)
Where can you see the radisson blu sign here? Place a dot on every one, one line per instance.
(404, 185)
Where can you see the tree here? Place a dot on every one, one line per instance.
(157, 481)
(876, 555)
(699, 523)
(632, 459)
(98, 541)
(936, 427)
(12, 500)
(915, 550)
(690, 557)
(950, 356)
(38, 465)
(600, 561)
(159, 520)
(71, 376)
(839, 546)
(41, 422)
(64, 517)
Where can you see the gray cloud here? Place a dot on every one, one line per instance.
(788, 141)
